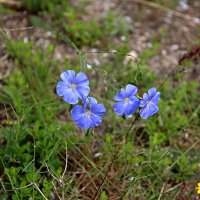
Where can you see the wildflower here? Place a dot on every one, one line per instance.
(73, 87)
(128, 103)
(149, 103)
(89, 115)
(198, 188)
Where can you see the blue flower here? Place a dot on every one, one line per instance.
(73, 87)
(128, 103)
(149, 103)
(89, 115)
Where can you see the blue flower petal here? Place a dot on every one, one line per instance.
(152, 92)
(84, 122)
(77, 112)
(95, 120)
(149, 103)
(131, 90)
(119, 108)
(126, 107)
(143, 102)
(131, 106)
(83, 91)
(120, 96)
(81, 79)
(156, 98)
(71, 96)
(68, 77)
(80, 117)
(148, 111)
(73, 87)
(62, 88)
(144, 112)
(98, 109)
(91, 100)
(153, 109)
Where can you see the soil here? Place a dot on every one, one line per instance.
(181, 33)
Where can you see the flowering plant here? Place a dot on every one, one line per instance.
(73, 88)
(89, 114)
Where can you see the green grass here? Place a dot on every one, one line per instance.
(166, 3)
(37, 131)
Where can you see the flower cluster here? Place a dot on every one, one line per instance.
(88, 115)
(74, 87)
(128, 102)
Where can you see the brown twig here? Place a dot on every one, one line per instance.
(165, 9)
(192, 55)
(26, 186)
(162, 191)
(115, 157)
(174, 72)
(40, 191)
(66, 160)
(11, 4)
(16, 29)
(129, 130)
(104, 178)
(63, 174)
(55, 189)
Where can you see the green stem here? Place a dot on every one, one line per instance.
(114, 158)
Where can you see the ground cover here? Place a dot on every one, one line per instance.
(45, 155)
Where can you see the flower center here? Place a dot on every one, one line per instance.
(88, 112)
(126, 100)
(73, 86)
